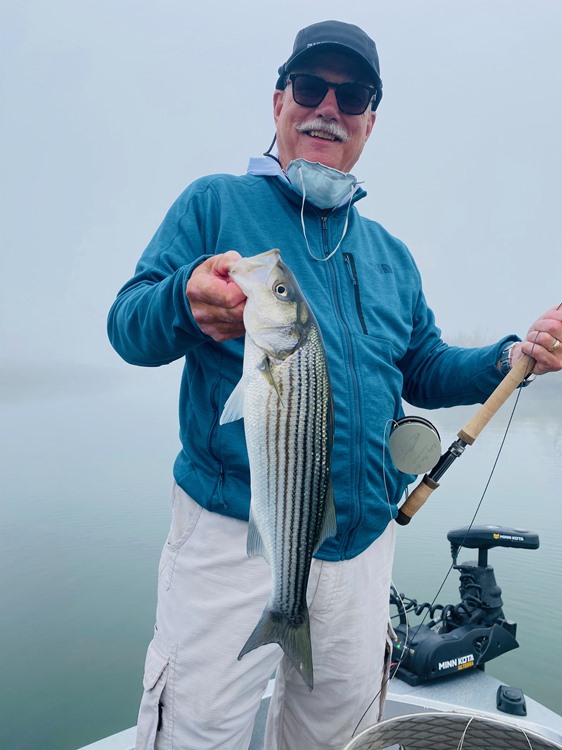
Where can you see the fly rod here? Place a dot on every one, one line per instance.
(465, 437)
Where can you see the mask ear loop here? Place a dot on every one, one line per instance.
(334, 251)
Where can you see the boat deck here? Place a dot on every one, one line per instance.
(471, 693)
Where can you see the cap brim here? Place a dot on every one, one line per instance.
(295, 60)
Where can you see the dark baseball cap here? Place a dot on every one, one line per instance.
(339, 36)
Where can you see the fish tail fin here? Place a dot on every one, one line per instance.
(273, 627)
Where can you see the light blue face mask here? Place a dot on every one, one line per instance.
(324, 187)
(320, 185)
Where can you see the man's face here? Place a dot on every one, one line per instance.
(296, 140)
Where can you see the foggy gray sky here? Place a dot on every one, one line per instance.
(109, 108)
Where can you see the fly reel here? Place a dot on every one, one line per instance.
(414, 445)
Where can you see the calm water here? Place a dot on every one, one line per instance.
(85, 476)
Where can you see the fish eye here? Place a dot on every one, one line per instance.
(281, 290)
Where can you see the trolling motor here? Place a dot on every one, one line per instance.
(463, 636)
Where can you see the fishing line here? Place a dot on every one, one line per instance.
(478, 506)
(461, 741)
(526, 737)
(393, 423)
(386, 680)
(406, 637)
(494, 721)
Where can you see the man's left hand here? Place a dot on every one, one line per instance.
(543, 343)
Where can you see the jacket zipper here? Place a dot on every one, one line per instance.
(356, 480)
(325, 247)
(350, 264)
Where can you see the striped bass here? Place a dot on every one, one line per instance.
(285, 398)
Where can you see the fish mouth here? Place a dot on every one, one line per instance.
(260, 265)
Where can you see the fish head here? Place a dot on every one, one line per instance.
(277, 317)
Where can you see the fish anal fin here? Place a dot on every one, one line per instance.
(254, 542)
(294, 639)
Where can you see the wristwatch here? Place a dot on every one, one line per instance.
(505, 365)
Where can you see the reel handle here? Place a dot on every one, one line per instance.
(468, 434)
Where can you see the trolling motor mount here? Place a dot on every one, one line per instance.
(466, 635)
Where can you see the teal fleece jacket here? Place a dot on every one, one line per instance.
(380, 335)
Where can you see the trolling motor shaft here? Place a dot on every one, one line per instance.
(466, 436)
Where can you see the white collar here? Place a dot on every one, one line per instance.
(266, 166)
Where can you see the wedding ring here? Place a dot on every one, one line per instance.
(555, 346)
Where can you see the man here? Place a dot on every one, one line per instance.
(382, 345)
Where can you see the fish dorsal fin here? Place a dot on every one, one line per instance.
(234, 407)
(264, 366)
(329, 526)
(254, 542)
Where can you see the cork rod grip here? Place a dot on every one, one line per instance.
(415, 500)
(468, 435)
(514, 377)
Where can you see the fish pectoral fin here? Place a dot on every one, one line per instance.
(254, 542)
(330, 524)
(264, 367)
(234, 407)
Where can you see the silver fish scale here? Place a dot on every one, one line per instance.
(288, 430)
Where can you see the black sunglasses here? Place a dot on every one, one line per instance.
(310, 90)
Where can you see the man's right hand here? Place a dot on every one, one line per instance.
(216, 302)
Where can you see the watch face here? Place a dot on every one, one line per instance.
(414, 445)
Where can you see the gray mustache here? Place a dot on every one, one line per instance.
(331, 128)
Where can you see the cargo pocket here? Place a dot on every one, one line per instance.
(150, 713)
(185, 515)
